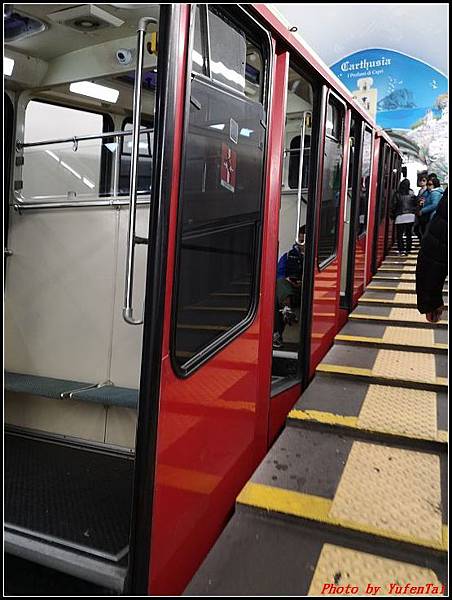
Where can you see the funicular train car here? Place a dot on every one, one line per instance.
(159, 160)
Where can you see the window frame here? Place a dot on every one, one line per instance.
(106, 161)
(148, 124)
(327, 261)
(227, 11)
(260, 34)
(365, 126)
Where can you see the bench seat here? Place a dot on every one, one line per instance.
(108, 395)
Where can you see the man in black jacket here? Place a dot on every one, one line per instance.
(288, 288)
(431, 269)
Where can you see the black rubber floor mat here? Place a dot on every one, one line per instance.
(75, 497)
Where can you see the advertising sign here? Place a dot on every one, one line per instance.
(404, 94)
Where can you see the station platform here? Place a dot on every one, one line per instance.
(352, 497)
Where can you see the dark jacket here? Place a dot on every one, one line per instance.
(432, 263)
(431, 201)
(294, 266)
(403, 204)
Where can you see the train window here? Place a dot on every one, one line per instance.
(233, 59)
(331, 183)
(63, 170)
(333, 124)
(364, 187)
(384, 184)
(144, 158)
(220, 209)
(294, 161)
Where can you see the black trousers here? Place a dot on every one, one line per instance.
(401, 229)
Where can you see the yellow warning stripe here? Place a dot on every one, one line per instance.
(323, 417)
(377, 277)
(402, 271)
(316, 508)
(383, 288)
(382, 301)
(383, 318)
(328, 368)
(382, 342)
(353, 422)
(346, 370)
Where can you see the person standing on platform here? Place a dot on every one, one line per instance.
(432, 198)
(403, 210)
(421, 222)
(432, 265)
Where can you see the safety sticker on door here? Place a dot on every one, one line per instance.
(228, 167)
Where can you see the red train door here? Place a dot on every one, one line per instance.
(328, 257)
(349, 260)
(363, 201)
(208, 426)
(383, 197)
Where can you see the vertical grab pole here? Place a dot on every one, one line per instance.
(127, 311)
(300, 172)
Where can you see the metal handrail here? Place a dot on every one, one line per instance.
(300, 172)
(80, 138)
(127, 311)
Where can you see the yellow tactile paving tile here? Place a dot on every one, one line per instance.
(409, 336)
(368, 575)
(407, 412)
(406, 366)
(408, 314)
(412, 298)
(392, 490)
(405, 285)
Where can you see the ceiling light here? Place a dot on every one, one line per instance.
(94, 90)
(8, 66)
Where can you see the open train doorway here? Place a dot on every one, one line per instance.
(83, 85)
(292, 273)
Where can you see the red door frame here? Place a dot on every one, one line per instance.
(213, 425)
(372, 207)
(326, 295)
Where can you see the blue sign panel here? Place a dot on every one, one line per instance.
(405, 94)
(406, 88)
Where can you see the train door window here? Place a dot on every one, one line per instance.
(221, 191)
(385, 183)
(8, 131)
(364, 186)
(63, 170)
(291, 274)
(144, 158)
(331, 183)
(347, 245)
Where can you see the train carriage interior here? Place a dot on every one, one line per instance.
(72, 364)
(292, 231)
